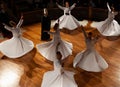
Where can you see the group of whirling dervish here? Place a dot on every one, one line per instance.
(57, 49)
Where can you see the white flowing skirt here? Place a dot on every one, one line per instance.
(68, 22)
(48, 49)
(53, 79)
(16, 47)
(107, 27)
(90, 61)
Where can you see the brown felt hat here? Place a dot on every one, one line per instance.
(12, 23)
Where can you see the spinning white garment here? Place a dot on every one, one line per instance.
(17, 46)
(89, 59)
(67, 20)
(57, 79)
(10, 74)
(108, 27)
(48, 49)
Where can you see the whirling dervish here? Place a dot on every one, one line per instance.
(17, 46)
(59, 77)
(48, 49)
(108, 27)
(67, 21)
(89, 59)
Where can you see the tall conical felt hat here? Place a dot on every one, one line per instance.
(12, 23)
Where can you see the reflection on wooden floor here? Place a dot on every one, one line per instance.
(34, 65)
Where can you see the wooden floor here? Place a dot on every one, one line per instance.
(35, 65)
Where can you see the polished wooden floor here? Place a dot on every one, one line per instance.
(35, 65)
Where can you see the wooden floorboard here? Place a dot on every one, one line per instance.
(35, 65)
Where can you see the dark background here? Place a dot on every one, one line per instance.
(85, 9)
